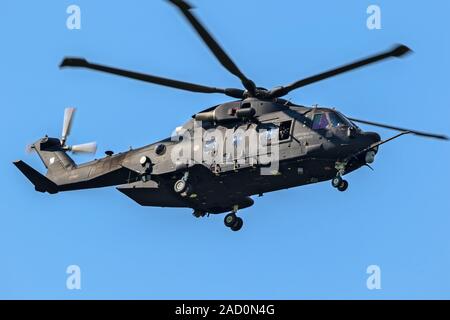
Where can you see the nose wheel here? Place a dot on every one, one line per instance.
(339, 183)
(232, 221)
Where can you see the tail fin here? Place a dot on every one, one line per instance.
(41, 183)
(53, 155)
(55, 159)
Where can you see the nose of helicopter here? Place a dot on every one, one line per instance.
(372, 137)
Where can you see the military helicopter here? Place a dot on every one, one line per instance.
(312, 144)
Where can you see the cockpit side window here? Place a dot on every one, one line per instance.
(320, 121)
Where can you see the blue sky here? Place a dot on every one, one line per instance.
(307, 242)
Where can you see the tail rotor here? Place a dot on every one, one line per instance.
(69, 114)
(90, 147)
(52, 144)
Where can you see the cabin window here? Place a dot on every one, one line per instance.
(320, 121)
(160, 149)
(285, 130)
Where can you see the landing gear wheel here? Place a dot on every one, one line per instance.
(343, 186)
(187, 191)
(180, 186)
(230, 219)
(238, 224)
(336, 182)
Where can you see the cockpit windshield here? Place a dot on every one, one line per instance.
(337, 120)
(330, 119)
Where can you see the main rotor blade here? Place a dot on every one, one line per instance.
(67, 124)
(83, 63)
(396, 52)
(90, 147)
(213, 45)
(418, 133)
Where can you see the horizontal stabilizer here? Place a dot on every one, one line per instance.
(40, 182)
(150, 194)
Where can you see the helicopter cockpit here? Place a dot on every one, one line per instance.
(330, 119)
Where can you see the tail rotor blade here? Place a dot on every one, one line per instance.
(67, 124)
(29, 148)
(90, 147)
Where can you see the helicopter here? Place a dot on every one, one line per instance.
(224, 155)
